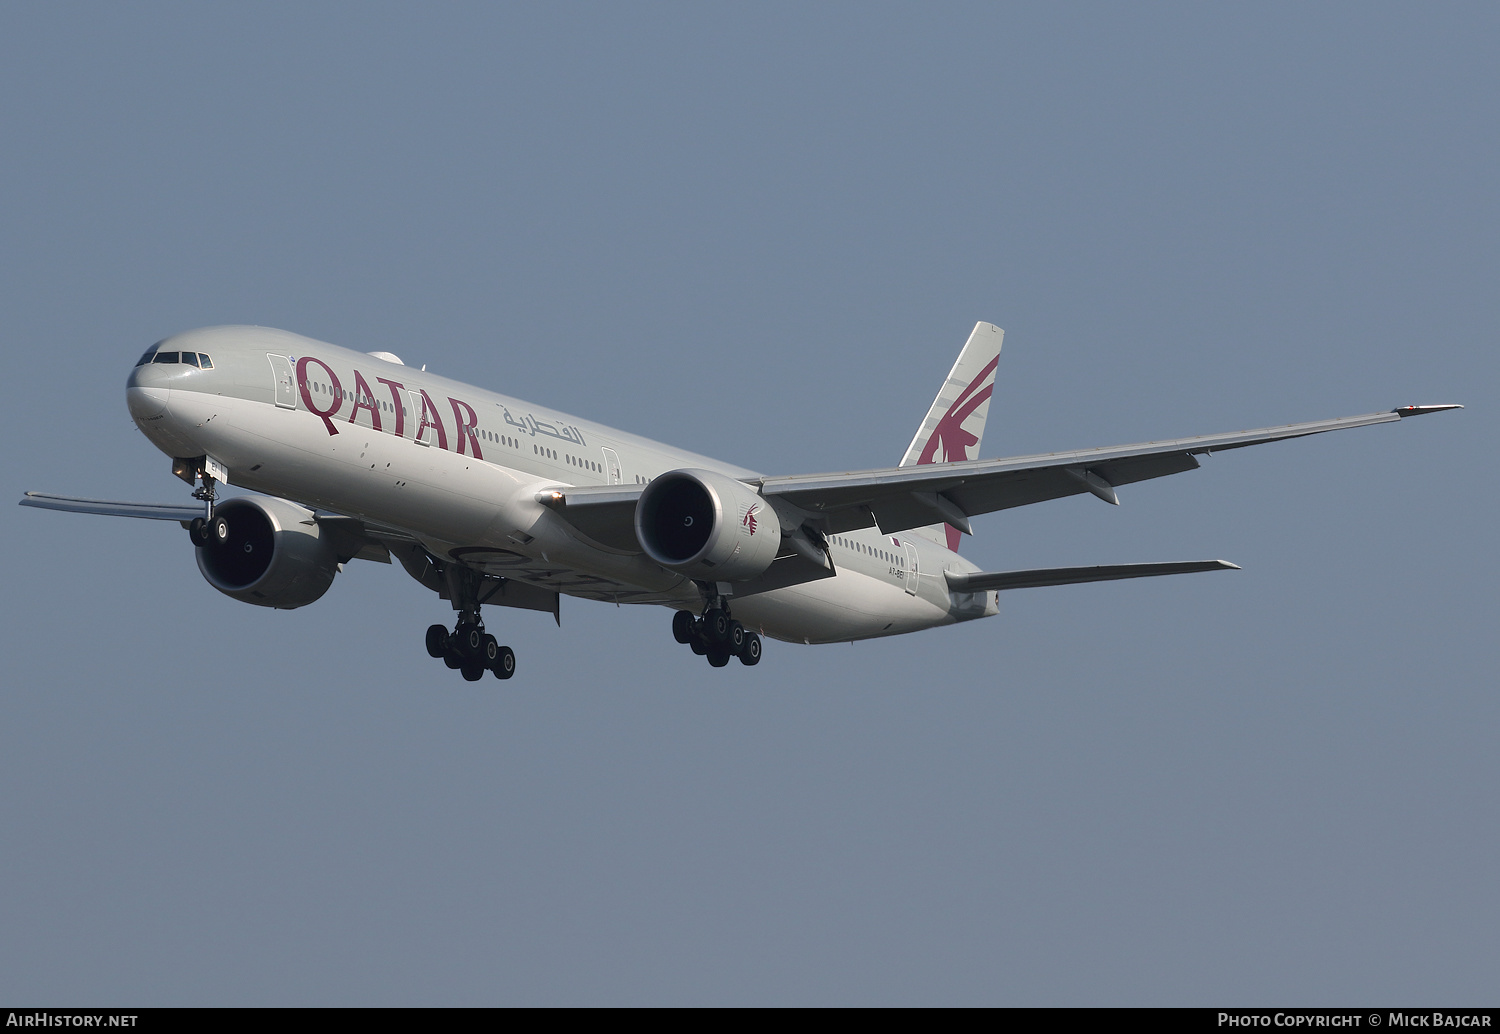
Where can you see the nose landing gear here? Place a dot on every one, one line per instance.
(207, 530)
(716, 636)
(212, 531)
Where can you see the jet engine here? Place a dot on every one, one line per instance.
(707, 526)
(267, 551)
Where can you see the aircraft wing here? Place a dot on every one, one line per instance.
(150, 511)
(898, 498)
(354, 539)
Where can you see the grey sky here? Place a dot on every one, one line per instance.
(763, 232)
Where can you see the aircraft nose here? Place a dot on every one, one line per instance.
(147, 403)
(148, 390)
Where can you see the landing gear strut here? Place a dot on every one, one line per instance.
(207, 530)
(716, 635)
(468, 648)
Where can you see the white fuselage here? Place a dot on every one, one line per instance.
(459, 468)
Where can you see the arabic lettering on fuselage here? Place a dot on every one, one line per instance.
(529, 424)
(425, 412)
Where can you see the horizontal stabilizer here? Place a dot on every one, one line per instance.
(980, 581)
(151, 511)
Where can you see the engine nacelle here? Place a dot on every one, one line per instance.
(275, 555)
(707, 526)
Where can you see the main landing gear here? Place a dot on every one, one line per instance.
(471, 650)
(716, 636)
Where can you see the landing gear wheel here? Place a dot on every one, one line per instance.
(505, 663)
(470, 640)
(682, 627)
(699, 646)
(716, 625)
(453, 659)
(736, 637)
(472, 671)
(198, 531)
(437, 640)
(718, 656)
(218, 530)
(750, 652)
(489, 650)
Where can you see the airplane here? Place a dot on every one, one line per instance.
(489, 500)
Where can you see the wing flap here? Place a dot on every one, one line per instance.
(789, 569)
(983, 580)
(351, 538)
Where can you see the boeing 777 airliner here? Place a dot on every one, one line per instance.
(486, 499)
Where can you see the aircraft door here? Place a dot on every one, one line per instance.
(912, 573)
(612, 466)
(414, 420)
(281, 373)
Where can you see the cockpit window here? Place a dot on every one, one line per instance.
(198, 359)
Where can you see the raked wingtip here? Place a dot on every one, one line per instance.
(1406, 411)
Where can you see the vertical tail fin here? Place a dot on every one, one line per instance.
(955, 423)
(954, 426)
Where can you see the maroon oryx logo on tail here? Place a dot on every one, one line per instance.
(949, 434)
